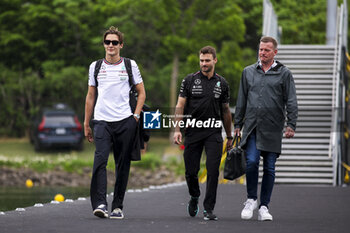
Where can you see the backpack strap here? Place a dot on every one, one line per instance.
(97, 70)
(133, 93)
(127, 63)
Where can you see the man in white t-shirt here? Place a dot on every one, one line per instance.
(114, 122)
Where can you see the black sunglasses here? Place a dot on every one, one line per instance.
(114, 42)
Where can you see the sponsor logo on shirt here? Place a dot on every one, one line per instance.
(217, 90)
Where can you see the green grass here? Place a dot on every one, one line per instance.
(19, 153)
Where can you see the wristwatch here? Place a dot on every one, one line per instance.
(137, 116)
(229, 137)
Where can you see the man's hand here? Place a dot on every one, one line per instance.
(88, 133)
(237, 132)
(289, 132)
(177, 137)
(229, 144)
(136, 119)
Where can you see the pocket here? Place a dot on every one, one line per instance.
(99, 130)
(134, 120)
(273, 123)
(219, 138)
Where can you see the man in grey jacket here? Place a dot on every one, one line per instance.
(266, 96)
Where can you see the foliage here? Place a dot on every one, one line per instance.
(19, 153)
(303, 21)
(253, 22)
(46, 46)
(173, 163)
(42, 164)
(150, 161)
(77, 164)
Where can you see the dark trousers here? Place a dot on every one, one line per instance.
(121, 135)
(252, 171)
(192, 157)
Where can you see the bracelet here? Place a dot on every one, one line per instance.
(229, 137)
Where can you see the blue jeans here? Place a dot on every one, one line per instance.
(252, 172)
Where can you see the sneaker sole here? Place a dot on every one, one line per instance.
(246, 217)
(264, 219)
(188, 211)
(207, 219)
(100, 214)
(116, 217)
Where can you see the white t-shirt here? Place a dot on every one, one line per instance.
(113, 90)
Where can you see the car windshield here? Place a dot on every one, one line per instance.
(59, 120)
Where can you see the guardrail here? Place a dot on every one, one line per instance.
(338, 95)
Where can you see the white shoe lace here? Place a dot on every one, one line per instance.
(248, 205)
(264, 210)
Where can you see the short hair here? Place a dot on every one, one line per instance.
(208, 49)
(114, 30)
(267, 39)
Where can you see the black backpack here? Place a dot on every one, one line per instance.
(144, 134)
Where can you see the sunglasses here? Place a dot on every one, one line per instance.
(108, 42)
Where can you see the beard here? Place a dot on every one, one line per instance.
(206, 69)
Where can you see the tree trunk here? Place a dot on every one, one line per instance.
(173, 89)
(174, 76)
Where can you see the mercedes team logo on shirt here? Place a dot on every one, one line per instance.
(197, 81)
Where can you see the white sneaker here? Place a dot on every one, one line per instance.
(249, 206)
(264, 214)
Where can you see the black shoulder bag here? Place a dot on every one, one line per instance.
(235, 164)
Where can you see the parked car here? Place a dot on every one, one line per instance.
(57, 127)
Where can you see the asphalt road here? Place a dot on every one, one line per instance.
(296, 209)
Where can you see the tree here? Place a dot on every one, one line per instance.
(44, 51)
(165, 34)
(46, 46)
(303, 22)
(192, 25)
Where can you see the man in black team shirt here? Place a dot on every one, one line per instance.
(204, 99)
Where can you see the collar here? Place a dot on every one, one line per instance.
(274, 64)
(116, 63)
(215, 76)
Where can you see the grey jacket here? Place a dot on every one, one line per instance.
(264, 100)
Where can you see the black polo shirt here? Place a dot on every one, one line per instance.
(204, 99)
